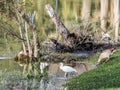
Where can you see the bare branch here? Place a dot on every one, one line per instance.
(9, 29)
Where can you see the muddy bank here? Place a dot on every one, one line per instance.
(80, 67)
(56, 77)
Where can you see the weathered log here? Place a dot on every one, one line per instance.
(62, 29)
(71, 41)
(61, 47)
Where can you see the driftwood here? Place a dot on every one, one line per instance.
(80, 40)
(71, 41)
(62, 29)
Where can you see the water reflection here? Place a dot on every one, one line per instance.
(49, 83)
(52, 82)
(15, 81)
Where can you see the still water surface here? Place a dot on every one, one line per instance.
(11, 78)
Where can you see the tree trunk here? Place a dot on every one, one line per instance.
(23, 43)
(111, 13)
(35, 37)
(116, 19)
(103, 14)
(76, 9)
(36, 43)
(86, 10)
(62, 29)
(19, 21)
(97, 9)
(28, 41)
(30, 22)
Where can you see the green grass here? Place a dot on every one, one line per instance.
(105, 77)
(9, 65)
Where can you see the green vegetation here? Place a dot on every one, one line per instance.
(11, 76)
(107, 75)
(9, 71)
(69, 12)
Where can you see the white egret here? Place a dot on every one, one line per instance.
(67, 69)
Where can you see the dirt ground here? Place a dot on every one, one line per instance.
(80, 67)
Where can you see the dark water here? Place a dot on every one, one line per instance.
(11, 77)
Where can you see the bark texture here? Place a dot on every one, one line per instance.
(116, 18)
(104, 14)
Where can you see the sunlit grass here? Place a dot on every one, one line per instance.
(110, 89)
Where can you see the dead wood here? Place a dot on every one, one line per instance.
(75, 41)
(62, 29)
(71, 41)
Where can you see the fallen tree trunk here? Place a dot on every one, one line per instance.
(80, 40)
(62, 29)
(71, 41)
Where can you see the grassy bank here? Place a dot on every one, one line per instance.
(105, 77)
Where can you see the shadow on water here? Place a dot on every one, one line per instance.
(11, 77)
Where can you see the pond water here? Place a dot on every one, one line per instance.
(11, 77)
